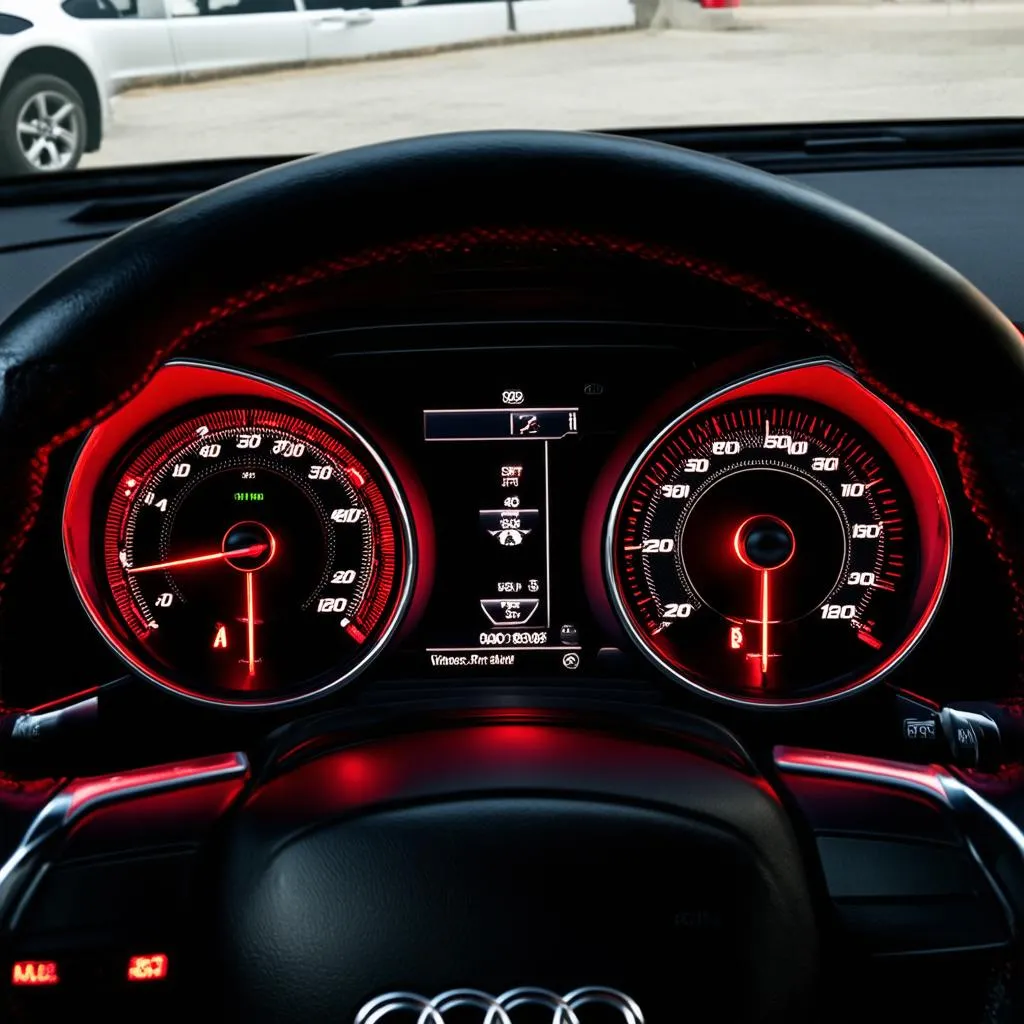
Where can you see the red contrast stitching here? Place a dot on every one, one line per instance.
(474, 239)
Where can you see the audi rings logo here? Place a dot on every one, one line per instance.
(501, 1009)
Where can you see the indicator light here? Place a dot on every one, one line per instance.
(150, 967)
(35, 972)
(220, 638)
(736, 638)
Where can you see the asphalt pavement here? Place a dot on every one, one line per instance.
(791, 63)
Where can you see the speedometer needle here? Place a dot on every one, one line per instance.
(217, 556)
(250, 616)
(764, 620)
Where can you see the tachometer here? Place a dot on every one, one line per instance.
(768, 547)
(250, 552)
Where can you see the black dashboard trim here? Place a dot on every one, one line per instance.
(80, 797)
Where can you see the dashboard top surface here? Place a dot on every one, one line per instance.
(965, 215)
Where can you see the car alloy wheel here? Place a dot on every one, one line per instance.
(48, 130)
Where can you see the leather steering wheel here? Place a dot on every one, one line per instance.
(323, 898)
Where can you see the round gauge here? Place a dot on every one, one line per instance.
(768, 549)
(249, 553)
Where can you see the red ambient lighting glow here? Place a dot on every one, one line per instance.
(35, 972)
(151, 967)
(870, 769)
(84, 792)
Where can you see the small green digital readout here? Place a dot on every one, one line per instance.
(248, 495)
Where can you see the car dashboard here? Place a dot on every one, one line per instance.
(508, 468)
(498, 525)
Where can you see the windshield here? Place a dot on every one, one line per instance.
(95, 83)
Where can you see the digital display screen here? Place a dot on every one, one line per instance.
(508, 443)
(504, 536)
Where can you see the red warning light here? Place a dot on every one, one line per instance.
(152, 967)
(35, 972)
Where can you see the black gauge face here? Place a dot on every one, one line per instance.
(768, 550)
(251, 553)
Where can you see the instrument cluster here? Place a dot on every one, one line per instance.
(766, 534)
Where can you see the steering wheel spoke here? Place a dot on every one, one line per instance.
(915, 861)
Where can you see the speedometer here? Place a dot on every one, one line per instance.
(247, 551)
(770, 547)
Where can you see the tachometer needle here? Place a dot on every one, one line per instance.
(217, 556)
(250, 616)
(765, 602)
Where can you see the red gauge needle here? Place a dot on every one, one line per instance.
(765, 602)
(250, 617)
(764, 543)
(218, 556)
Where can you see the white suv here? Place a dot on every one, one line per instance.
(62, 60)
